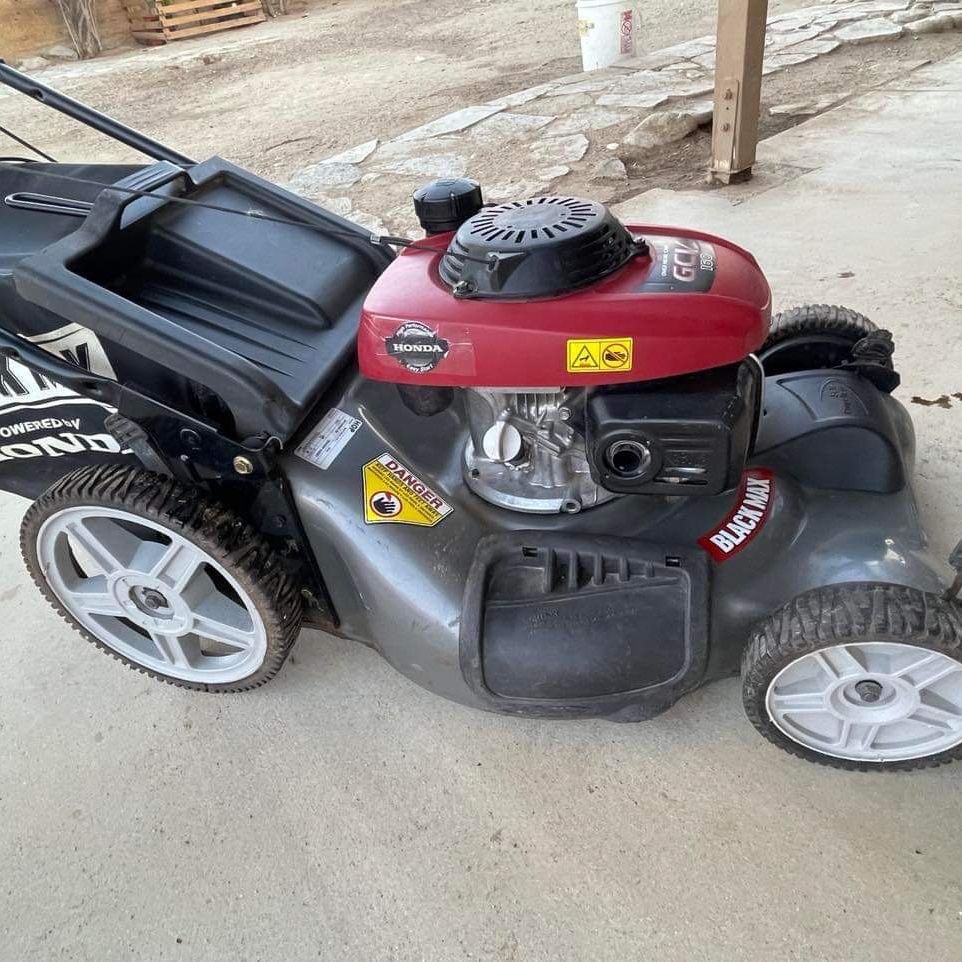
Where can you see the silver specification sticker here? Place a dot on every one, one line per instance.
(328, 438)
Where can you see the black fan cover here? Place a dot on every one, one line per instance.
(541, 247)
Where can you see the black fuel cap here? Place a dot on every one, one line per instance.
(444, 205)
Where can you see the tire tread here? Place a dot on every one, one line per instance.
(817, 319)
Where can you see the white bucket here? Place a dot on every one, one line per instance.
(609, 31)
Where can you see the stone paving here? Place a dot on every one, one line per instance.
(528, 142)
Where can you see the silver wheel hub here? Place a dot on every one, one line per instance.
(870, 701)
(151, 595)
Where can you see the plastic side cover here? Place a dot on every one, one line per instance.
(578, 625)
(834, 430)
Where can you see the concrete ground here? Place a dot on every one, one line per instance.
(342, 813)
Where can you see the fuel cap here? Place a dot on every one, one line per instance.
(444, 205)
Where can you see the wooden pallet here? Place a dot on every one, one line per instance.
(156, 22)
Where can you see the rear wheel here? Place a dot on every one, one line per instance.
(163, 578)
(859, 676)
(811, 337)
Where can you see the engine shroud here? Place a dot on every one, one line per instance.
(540, 247)
(687, 302)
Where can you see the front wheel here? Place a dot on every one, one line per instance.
(814, 336)
(163, 578)
(864, 677)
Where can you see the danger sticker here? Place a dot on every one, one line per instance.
(747, 518)
(393, 494)
(604, 354)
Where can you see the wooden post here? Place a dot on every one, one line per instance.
(739, 53)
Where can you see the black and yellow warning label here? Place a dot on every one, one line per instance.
(602, 354)
(395, 495)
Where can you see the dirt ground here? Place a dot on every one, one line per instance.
(281, 95)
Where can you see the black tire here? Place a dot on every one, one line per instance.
(846, 614)
(226, 537)
(811, 337)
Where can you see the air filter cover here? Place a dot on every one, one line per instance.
(540, 247)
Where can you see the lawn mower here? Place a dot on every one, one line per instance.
(544, 462)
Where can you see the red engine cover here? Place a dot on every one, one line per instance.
(695, 302)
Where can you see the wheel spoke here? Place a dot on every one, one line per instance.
(808, 701)
(927, 671)
(97, 603)
(935, 717)
(868, 736)
(171, 649)
(215, 629)
(177, 565)
(843, 736)
(838, 662)
(93, 550)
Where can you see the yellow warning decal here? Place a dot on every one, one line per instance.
(602, 354)
(395, 495)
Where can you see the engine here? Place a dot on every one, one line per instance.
(527, 451)
(592, 359)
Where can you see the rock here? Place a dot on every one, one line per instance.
(651, 61)
(937, 23)
(515, 190)
(317, 177)
(451, 123)
(645, 81)
(690, 49)
(805, 108)
(662, 128)
(561, 103)
(356, 155)
(686, 69)
(636, 101)
(818, 47)
(584, 87)
(550, 174)
(605, 75)
(701, 110)
(611, 168)
(368, 221)
(879, 7)
(402, 149)
(786, 39)
(336, 205)
(591, 118)
(699, 89)
(59, 51)
(612, 146)
(428, 165)
(523, 96)
(508, 126)
(789, 22)
(869, 31)
(908, 16)
(777, 61)
(33, 63)
(559, 150)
